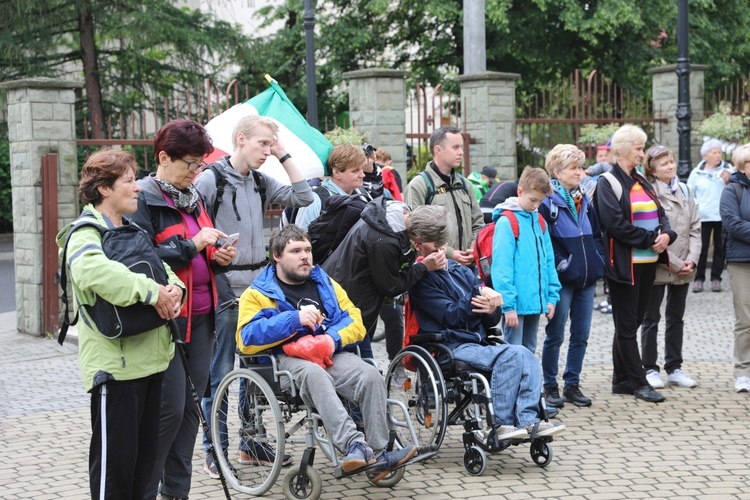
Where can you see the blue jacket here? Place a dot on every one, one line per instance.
(735, 216)
(523, 271)
(267, 320)
(578, 247)
(442, 302)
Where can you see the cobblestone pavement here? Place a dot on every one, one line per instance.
(694, 445)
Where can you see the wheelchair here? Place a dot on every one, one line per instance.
(257, 403)
(427, 377)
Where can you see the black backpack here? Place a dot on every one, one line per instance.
(221, 181)
(432, 191)
(326, 232)
(129, 245)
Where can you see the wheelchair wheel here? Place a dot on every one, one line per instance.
(414, 378)
(475, 461)
(541, 453)
(391, 479)
(307, 487)
(247, 424)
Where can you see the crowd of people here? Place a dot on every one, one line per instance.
(557, 232)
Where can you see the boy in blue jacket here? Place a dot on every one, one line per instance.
(523, 262)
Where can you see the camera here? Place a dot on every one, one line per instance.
(368, 149)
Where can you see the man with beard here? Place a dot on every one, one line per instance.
(294, 308)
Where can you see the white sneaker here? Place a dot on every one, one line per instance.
(546, 429)
(742, 384)
(654, 379)
(510, 432)
(679, 377)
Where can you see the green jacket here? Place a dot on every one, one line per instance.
(464, 214)
(480, 187)
(92, 273)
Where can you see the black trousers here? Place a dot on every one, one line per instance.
(125, 432)
(629, 304)
(717, 261)
(674, 312)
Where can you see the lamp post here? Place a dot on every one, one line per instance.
(312, 87)
(684, 112)
(475, 43)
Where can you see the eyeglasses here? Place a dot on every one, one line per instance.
(193, 166)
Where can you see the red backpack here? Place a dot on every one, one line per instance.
(483, 244)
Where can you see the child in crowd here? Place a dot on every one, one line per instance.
(523, 262)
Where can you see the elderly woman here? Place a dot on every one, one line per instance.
(706, 181)
(175, 216)
(123, 375)
(735, 215)
(636, 236)
(660, 168)
(579, 259)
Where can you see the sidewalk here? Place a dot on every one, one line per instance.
(694, 445)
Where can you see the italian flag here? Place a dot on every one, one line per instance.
(306, 144)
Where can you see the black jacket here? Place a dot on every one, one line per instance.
(616, 219)
(374, 260)
(735, 216)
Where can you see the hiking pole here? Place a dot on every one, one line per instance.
(180, 347)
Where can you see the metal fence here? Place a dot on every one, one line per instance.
(557, 115)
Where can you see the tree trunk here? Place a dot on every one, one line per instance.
(91, 70)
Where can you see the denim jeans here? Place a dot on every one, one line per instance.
(516, 383)
(525, 333)
(578, 303)
(221, 364)
(674, 312)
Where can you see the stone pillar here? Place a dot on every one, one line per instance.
(41, 120)
(489, 111)
(377, 104)
(665, 95)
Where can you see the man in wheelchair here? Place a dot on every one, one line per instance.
(454, 303)
(306, 318)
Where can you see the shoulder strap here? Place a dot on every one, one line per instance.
(542, 222)
(463, 182)
(685, 190)
(430, 187)
(511, 215)
(260, 186)
(85, 219)
(553, 213)
(221, 179)
(616, 186)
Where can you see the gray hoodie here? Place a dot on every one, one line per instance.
(240, 194)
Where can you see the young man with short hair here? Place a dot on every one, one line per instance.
(294, 308)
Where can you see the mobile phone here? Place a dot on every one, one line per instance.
(231, 240)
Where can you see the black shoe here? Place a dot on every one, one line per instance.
(647, 393)
(552, 397)
(623, 388)
(573, 394)
(552, 412)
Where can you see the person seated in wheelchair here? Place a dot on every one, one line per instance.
(306, 318)
(453, 302)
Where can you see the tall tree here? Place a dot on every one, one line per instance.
(134, 50)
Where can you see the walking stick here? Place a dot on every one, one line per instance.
(180, 347)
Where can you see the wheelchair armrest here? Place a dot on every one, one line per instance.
(426, 338)
(495, 340)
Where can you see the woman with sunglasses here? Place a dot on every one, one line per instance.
(173, 213)
(636, 236)
(674, 277)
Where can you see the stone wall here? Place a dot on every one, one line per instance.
(41, 120)
(377, 99)
(489, 101)
(665, 96)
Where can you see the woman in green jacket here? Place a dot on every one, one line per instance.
(123, 375)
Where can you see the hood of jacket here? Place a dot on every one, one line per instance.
(509, 204)
(387, 216)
